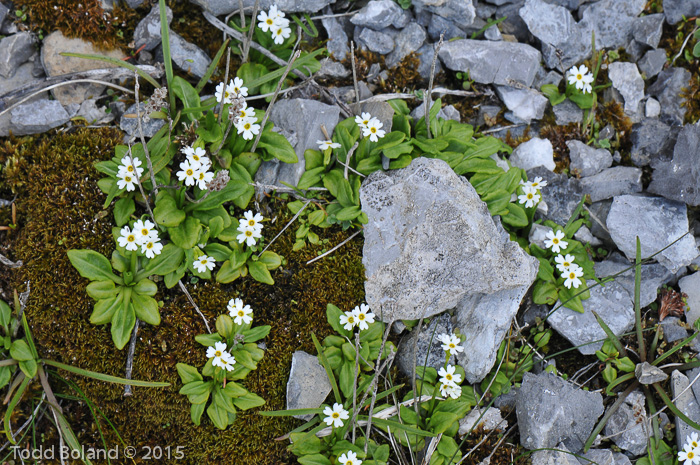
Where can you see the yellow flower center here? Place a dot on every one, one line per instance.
(691, 454)
(131, 238)
(567, 264)
(279, 31)
(189, 172)
(452, 346)
(240, 313)
(365, 122)
(149, 245)
(203, 262)
(269, 21)
(448, 376)
(572, 275)
(249, 233)
(217, 353)
(251, 222)
(127, 178)
(246, 126)
(349, 462)
(130, 168)
(144, 231)
(555, 241)
(530, 196)
(373, 130)
(361, 316)
(694, 444)
(337, 415)
(201, 175)
(351, 319)
(579, 77)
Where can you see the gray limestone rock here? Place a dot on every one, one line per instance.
(652, 109)
(23, 76)
(587, 160)
(658, 222)
(626, 79)
(337, 37)
(533, 153)
(15, 50)
(652, 63)
(612, 21)
(548, 77)
(686, 403)
(673, 329)
(653, 276)
(560, 456)
(379, 14)
(461, 9)
(308, 383)
(37, 117)
(129, 124)
(439, 25)
(599, 214)
(550, 410)
(667, 89)
(562, 194)
(408, 40)
(646, 373)
(94, 114)
(525, 104)
(585, 236)
(3, 13)
(491, 420)
(425, 55)
(375, 41)
(567, 112)
(597, 456)
(147, 33)
(613, 181)
(676, 9)
(612, 303)
(625, 427)
(513, 25)
(224, 7)
(332, 70)
(647, 29)
(186, 56)
(493, 33)
(303, 131)
(679, 179)
(651, 139)
(435, 355)
(508, 63)
(485, 319)
(690, 285)
(430, 242)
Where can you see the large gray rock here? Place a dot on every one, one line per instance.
(37, 117)
(3, 13)
(626, 79)
(562, 194)
(567, 112)
(658, 222)
(308, 383)
(224, 7)
(130, 125)
(15, 50)
(653, 276)
(668, 89)
(597, 456)
(379, 14)
(676, 9)
(551, 410)
(647, 29)
(679, 179)
(508, 63)
(427, 345)
(524, 104)
(490, 420)
(533, 153)
(612, 21)
(430, 241)
(686, 403)
(587, 160)
(690, 285)
(651, 140)
(652, 62)
(337, 44)
(612, 303)
(147, 32)
(626, 426)
(560, 456)
(485, 319)
(462, 10)
(303, 134)
(186, 56)
(425, 55)
(613, 181)
(23, 76)
(408, 40)
(375, 41)
(451, 29)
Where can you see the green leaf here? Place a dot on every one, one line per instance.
(218, 416)
(208, 340)
(103, 377)
(123, 209)
(28, 367)
(270, 259)
(166, 212)
(497, 201)
(92, 265)
(348, 213)
(260, 273)
(123, 323)
(104, 309)
(227, 273)
(333, 315)
(6, 313)
(255, 334)
(19, 350)
(346, 378)
(218, 251)
(188, 373)
(196, 412)
(248, 401)
(101, 290)
(278, 146)
(516, 216)
(168, 261)
(569, 301)
(315, 459)
(146, 308)
(544, 293)
(186, 234)
(146, 287)
(310, 178)
(5, 375)
(187, 94)
(552, 93)
(249, 72)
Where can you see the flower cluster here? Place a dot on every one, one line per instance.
(691, 451)
(245, 119)
(204, 263)
(250, 228)
(554, 240)
(335, 415)
(128, 174)
(324, 145)
(531, 194)
(275, 22)
(241, 314)
(221, 356)
(195, 170)
(570, 270)
(145, 235)
(226, 94)
(349, 458)
(449, 382)
(361, 316)
(370, 126)
(581, 78)
(450, 344)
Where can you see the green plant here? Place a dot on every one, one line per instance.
(609, 355)
(235, 339)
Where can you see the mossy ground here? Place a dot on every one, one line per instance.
(60, 208)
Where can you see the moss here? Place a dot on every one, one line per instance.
(60, 209)
(558, 135)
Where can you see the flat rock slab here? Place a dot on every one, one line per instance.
(679, 179)
(430, 241)
(668, 90)
(658, 222)
(626, 79)
(15, 50)
(562, 194)
(224, 7)
(676, 9)
(308, 383)
(613, 181)
(489, 62)
(690, 285)
(686, 403)
(626, 426)
(653, 277)
(587, 160)
(612, 303)
(37, 117)
(533, 153)
(551, 410)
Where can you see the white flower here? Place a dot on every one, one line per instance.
(127, 239)
(349, 458)
(217, 351)
(226, 361)
(144, 232)
(554, 240)
(335, 415)
(275, 13)
(572, 275)
(203, 177)
(204, 263)
(450, 343)
(564, 263)
(373, 130)
(251, 222)
(451, 390)
(266, 21)
(126, 180)
(236, 86)
(127, 168)
(363, 121)
(222, 94)
(187, 173)
(327, 144)
(197, 157)
(247, 112)
(448, 376)
(241, 314)
(693, 440)
(689, 455)
(587, 88)
(248, 235)
(348, 320)
(538, 183)
(151, 248)
(248, 128)
(580, 77)
(279, 33)
(529, 197)
(364, 316)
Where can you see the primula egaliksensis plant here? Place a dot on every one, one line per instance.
(355, 359)
(232, 354)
